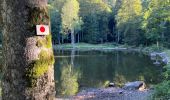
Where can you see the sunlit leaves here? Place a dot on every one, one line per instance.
(70, 15)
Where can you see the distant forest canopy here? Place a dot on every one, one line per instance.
(132, 22)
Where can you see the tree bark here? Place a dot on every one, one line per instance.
(28, 72)
(62, 39)
(59, 39)
(118, 37)
(78, 39)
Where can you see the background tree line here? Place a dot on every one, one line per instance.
(132, 22)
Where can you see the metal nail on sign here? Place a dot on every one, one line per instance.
(42, 29)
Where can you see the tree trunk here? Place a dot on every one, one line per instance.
(28, 72)
(78, 39)
(118, 37)
(157, 44)
(72, 39)
(82, 36)
(62, 39)
(59, 39)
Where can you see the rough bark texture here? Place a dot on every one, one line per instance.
(28, 59)
(1, 14)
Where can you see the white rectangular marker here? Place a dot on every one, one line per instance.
(42, 29)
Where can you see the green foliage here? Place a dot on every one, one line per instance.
(96, 20)
(39, 67)
(167, 72)
(162, 91)
(68, 82)
(128, 20)
(70, 16)
(156, 21)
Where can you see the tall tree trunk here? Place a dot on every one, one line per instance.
(72, 39)
(28, 72)
(81, 36)
(157, 43)
(59, 39)
(118, 37)
(78, 39)
(62, 40)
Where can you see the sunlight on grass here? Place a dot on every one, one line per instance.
(87, 46)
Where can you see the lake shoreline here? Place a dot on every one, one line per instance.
(102, 93)
(113, 93)
(164, 54)
(130, 91)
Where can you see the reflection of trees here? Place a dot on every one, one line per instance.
(134, 66)
(119, 79)
(97, 69)
(72, 57)
(68, 84)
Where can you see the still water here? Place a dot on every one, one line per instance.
(75, 70)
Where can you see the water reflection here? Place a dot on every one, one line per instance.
(75, 69)
(67, 83)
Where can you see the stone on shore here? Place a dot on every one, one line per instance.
(111, 85)
(137, 85)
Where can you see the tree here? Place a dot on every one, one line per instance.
(28, 59)
(55, 25)
(156, 23)
(96, 20)
(1, 22)
(128, 21)
(68, 82)
(70, 18)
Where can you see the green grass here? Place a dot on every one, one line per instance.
(89, 46)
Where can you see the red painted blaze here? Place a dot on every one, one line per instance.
(42, 29)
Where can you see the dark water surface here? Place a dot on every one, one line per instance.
(77, 69)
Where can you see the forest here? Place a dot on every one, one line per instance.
(131, 22)
(95, 50)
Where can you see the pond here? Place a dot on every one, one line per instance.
(75, 70)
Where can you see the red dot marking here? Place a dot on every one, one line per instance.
(42, 29)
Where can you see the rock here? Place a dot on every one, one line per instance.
(165, 60)
(111, 85)
(137, 85)
(162, 55)
(160, 58)
(153, 54)
(156, 63)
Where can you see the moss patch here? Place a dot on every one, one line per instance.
(46, 42)
(39, 67)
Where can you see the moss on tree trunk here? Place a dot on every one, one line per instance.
(28, 72)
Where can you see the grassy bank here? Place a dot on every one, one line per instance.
(109, 46)
(86, 46)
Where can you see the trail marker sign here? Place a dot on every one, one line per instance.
(42, 29)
